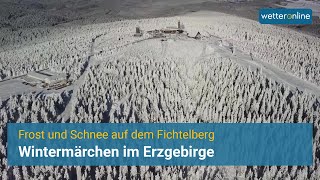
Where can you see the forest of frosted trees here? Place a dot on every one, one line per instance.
(126, 82)
(220, 91)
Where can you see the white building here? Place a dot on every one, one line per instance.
(48, 77)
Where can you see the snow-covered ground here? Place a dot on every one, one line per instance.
(314, 5)
(239, 71)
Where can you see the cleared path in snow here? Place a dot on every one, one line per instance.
(88, 64)
(270, 71)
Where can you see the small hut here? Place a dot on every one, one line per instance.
(138, 32)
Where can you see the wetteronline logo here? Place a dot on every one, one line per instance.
(285, 16)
